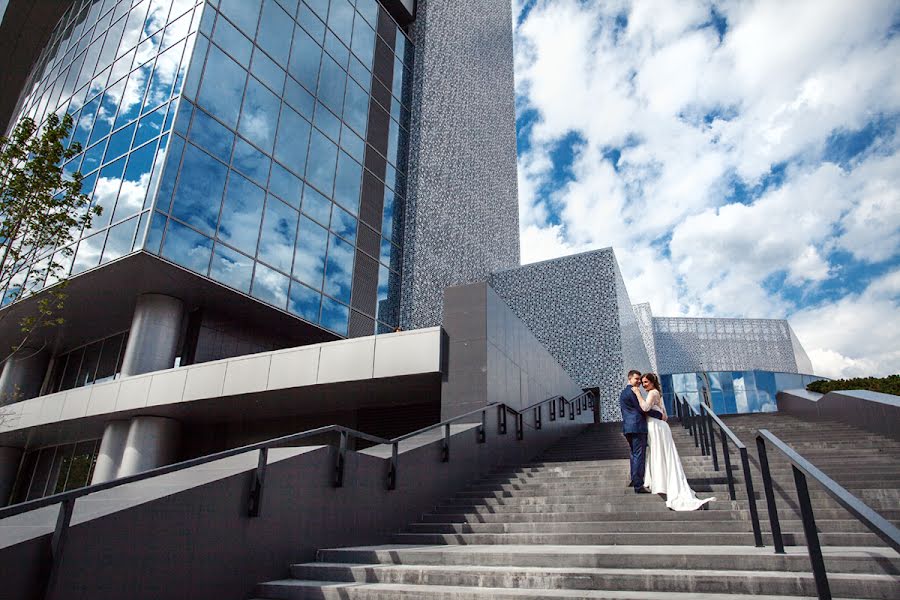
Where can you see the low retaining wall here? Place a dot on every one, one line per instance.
(186, 534)
(876, 412)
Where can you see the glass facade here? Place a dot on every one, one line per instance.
(732, 392)
(94, 363)
(260, 143)
(55, 469)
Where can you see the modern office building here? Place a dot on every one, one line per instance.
(309, 217)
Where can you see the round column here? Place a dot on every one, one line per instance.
(152, 442)
(153, 338)
(111, 448)
(9, 468)
(23, 374)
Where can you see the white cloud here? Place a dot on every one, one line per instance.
(691, 114)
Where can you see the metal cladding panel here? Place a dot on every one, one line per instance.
(690, 345)
(578, 308)
(462, 218)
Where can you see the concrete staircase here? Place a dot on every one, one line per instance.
(565, 526)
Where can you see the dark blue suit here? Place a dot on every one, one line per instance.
(634, 426)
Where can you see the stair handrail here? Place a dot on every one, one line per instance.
(803, 468)
(66, 500)
(725, 433)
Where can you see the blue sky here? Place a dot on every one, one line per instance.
(742, 158)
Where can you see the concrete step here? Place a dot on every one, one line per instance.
(485, 516)
(844, 560)
(294, 589)
(617, 579)
(643, 538)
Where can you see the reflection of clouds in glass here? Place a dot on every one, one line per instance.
(88, 254)
(270, 286)
(339, 269)
(164, 74)
(131, 196)
(309, 259)
(187, 247)
(105, 196)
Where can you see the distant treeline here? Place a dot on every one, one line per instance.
(885, 385)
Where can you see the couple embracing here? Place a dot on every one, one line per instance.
(655, 465)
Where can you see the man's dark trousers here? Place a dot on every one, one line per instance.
(638, 443)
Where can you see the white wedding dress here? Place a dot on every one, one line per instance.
(663, 472)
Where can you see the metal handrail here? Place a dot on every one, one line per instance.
(725, 433)
(802, 469)
(66, 500)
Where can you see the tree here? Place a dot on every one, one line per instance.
(42, 210)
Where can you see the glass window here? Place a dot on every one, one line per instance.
(311, 22)
(259, 116)
(356, 109)
(317, 206)
(276, 241)
(120, 240)
(89, 364)
(340, 19)
(363, 42)
(327, 123)
(267, 71)
(306, 55)
(107, 111)
(344, 224)
(293, 138)
(332, 82)
(353, 144)
(198, 57)
(387, 215)
(347, 183)
(319, 6)
(251, 162)
(222, 87)
(270, 286)
(119, 143)
(336, 48)
(212, 136)
(309, 258)
(133, 96)
(322, 161)
(302, 101)
(243, 13)
(339, 269)
(335, 316)
(187, 248)
(93, 157)
(183, 120)
(199, 192)
(155, 233)
(109, 357)
(164, 74)
(231, 268)
(80, 466)
(167, 184)
(275, 28)
(88, 254)
(285, 185)
(105, 192)
(369, 10)
(304, 302)
(135, 182)
(238, 45)
(241, 214)
(150, 126)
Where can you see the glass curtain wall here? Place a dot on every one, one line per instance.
(54, 469)
(286, 167)
(732, 392)
(117, 68)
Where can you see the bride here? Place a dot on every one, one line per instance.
(663, 473)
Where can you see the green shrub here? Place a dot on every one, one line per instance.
(885, 385)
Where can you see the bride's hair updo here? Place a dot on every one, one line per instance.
(654, 381)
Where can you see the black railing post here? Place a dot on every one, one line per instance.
(256, 484)
(501, 419)
(482, 431)
(751, 498)
(57, 543)
(392, 470)
(770, 495)
(704, 439)
(553, 409)
(445, 447)
(520, 426)
(578, 407)
(341, 457)
(571, 411)
(727, 458)
(694, 432)
(538, 413)
(812, 536)
(712, 440)
(562, 407)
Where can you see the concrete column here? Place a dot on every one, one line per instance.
(23, 374)
(153, 338)
(152, 442)
(9, 468)
(111, 448)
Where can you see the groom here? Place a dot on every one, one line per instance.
(634, 426)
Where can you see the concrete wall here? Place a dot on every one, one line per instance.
(493, 356)
(184, 535)
(879, 413)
